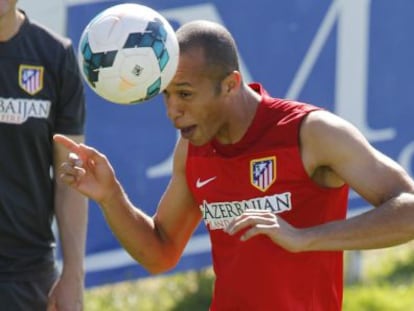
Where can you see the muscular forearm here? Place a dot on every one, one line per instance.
(137, 233)
(390, 224)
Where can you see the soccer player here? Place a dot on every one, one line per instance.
(41, 93)
(268, 176)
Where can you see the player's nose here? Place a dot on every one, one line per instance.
(174, 108)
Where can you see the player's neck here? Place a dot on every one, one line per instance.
(241, 114)
(10, 24)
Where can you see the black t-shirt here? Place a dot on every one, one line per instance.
(41, 93)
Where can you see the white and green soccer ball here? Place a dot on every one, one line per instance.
(128, 53)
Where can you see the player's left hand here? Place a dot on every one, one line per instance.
(66, 294)
(260, 222)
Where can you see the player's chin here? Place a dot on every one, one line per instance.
(198, 141)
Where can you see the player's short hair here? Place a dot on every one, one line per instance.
(217, 44)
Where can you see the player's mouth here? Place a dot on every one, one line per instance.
(187, 132)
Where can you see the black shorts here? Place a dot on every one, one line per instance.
(26, 295)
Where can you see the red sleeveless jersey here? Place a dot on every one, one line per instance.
(264, 171)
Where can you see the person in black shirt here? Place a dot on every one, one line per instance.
(41, 94)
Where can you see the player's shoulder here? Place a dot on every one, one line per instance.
(181, 148)
(180, 155)
(48, 36)
(322, 120)
(326, 128)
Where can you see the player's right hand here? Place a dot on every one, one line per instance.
(88, 171)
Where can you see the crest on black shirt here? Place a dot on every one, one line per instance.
(263, 172)
(31, 78)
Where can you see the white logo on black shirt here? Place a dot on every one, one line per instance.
(18, 110)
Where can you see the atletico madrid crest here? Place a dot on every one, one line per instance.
(263, 172)
(31, 78)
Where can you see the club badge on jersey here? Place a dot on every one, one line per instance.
(31, 78)
(263, 172)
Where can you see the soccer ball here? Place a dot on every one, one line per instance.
(128, 53)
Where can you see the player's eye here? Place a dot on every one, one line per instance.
(184, 94)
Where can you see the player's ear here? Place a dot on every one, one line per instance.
(232, 82)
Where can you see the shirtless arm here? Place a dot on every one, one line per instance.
(377, 178)
(155, 242)
(335, 152)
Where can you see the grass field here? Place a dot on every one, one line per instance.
(386, 284)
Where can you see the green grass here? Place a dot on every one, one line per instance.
(379, 297)
(182, 291)
(387, 284)
(387, 281)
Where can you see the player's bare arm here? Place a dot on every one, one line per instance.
(177, 215)
(71, 215)
(329, 145)
(158, 241)
(374, 176)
